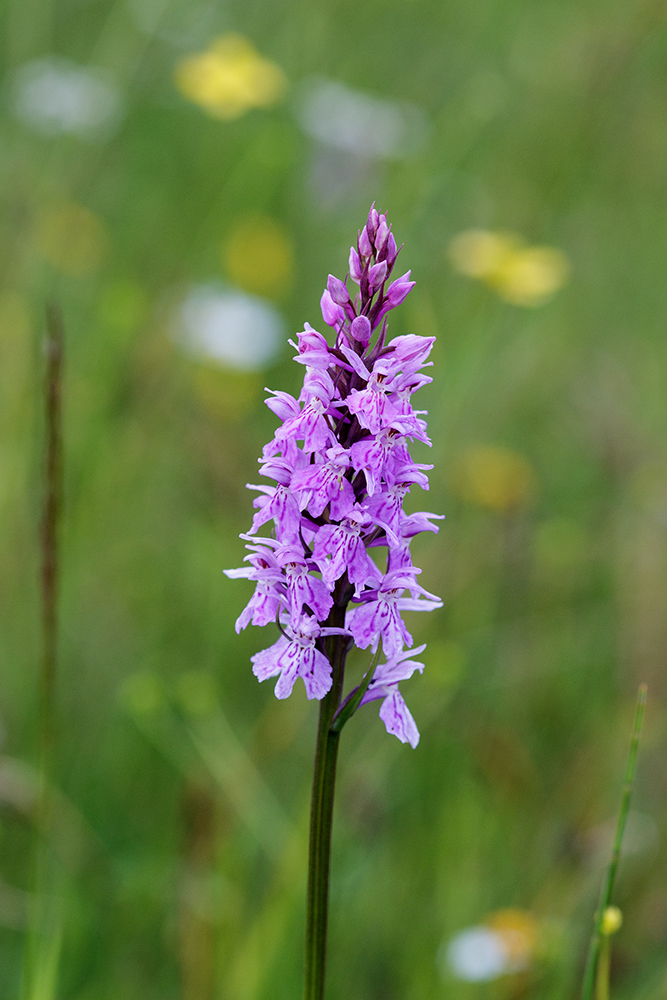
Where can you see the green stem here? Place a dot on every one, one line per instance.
(42, 943)
(50, 525)
(321, 815)
(353, 700)
(593, 958)
(604, 964)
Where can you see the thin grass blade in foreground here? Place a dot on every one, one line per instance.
(593, 959)
(50, 528)
(42, 947)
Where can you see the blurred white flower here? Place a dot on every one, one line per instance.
(230, 327)
(54, 96)
(505, 943)
(361, 124)
(477, 954)
(334, 177)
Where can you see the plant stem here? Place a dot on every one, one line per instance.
(50, 520)
(43, 939)
(321, 815)
(593, 958)
(604, 964)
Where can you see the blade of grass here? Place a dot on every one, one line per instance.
(43, 942)
(50, 528)
(594, 949)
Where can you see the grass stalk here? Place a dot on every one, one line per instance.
(603, 969)
(50, 530)
(44, 930)
(595, 950)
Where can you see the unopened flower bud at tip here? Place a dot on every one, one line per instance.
(372, 223)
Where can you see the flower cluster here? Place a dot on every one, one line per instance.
(341, 468)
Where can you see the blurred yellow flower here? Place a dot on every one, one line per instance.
(611, 920)
(519, 932)
(230, 77)
(479, 253)
(70, 238)
(496, 478)
(530, 277)
(258, 256)
(520, 274)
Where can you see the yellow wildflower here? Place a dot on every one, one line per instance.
(520, 274)
(230, 77)
(519, 932)
(496, 478)
(479, 253)
(530, 277)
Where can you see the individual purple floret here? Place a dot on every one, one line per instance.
(393, 711)
(341, 466)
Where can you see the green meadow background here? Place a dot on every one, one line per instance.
(180, 819)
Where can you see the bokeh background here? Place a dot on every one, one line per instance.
(181, 176)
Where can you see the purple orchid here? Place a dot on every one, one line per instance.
(393, 711)
(341, 466)
(294, 655)
(340, 547)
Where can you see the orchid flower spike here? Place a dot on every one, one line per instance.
(341, 468)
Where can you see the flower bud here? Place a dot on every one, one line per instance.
(337, 290)
(372, 223)
(355, 266)
(365, 245)
(377, 274)
(361, 329)
(612, 918)
(382, 234)
(311, 341)
(399, 289)
(390, 250)
(332, 313)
